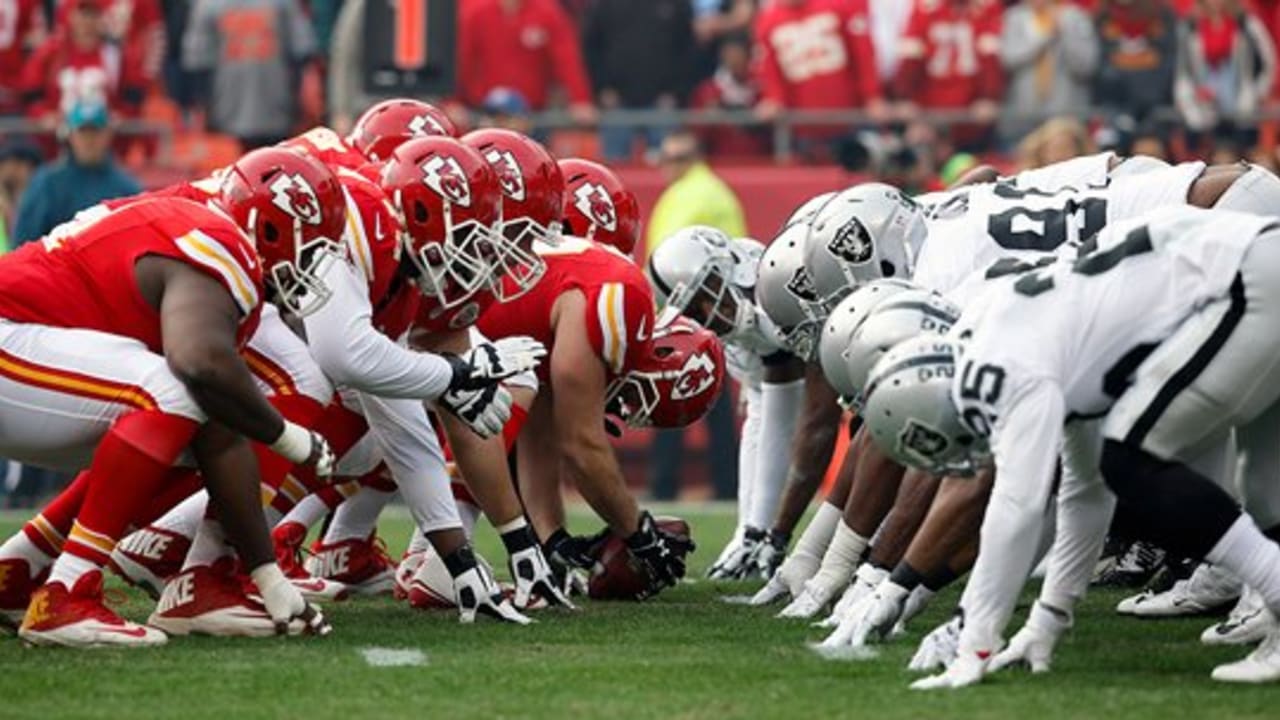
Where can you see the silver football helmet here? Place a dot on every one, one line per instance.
(865, 233)
(808, 210)
(785, 292)
(909, 412)
(706, 276)
(841, 327)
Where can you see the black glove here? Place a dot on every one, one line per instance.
(574, 551)
(661, 552)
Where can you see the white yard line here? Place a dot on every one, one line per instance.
(393, 657)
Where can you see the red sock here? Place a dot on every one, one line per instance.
(178, 486)
(48, 530)
(129, 469)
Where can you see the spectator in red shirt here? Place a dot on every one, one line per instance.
(816, 54)
(136, 25)
(732, 87)
(25, 30)
(950, 60)
(525, 45)
(78, 64)
(1139, 56)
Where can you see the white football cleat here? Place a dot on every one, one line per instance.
(1260, 666)
(1248, 622)
(431, 587)
(207, 600)
(477, 593)
(78, 618)
(1209, 588)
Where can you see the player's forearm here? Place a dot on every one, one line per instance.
(223, 387)
(483, 465)
(593, 467)
(909, 510)
(876, 482)
(230, 472)
(355, 354)
(811, 449)
(950, 530)
(1083, 514)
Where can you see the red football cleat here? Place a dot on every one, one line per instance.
(150, 556)
(288, 539)
(16, 587)
(361, 564)
(213, 600)
(78, 618)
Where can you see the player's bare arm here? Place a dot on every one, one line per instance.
(811, 449)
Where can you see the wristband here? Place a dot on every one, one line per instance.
(294, 443)
(907, 577)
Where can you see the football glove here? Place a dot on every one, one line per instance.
(967, 669)
(872, 618)
(661, 553)
(738, 559)
(477, 593)
(574, 551)
(771, 553)
(789, 579)
(1033, 645)
(938, 648)
(306, 447)
(490, 362)
(535, 580)
(865, 581)
(285, 604)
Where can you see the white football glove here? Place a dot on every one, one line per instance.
(499, 360)
(817, 594)
(790, 578)
(938, 648)
(865, 580)
(485, 411)
(916, 603)
(534, 580)
(291, 614)
(477, 593)
(738, 558)
(967, 669)
(302, 446)
(1033, 644)
(872, 618)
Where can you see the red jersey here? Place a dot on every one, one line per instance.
(328, 147)
(950, 53)
(21, 25)
(58, 73)
(135, 24)
(373, 244)
(85, 278)
(619, 312)
(816, 54)
(526, 51)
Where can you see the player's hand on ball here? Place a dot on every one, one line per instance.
(574, 551)
(662, 554)
(1034, 643)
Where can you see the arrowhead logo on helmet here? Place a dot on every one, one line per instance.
(292, 194)
(444, 175)
(801, 285)
(591, 200)
(852, 243)
(425, 125)
(696, 377)
(508, 171)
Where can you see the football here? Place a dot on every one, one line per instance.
(617, 575)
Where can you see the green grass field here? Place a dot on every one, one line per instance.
(684, 655)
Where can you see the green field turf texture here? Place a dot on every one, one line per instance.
(684, 655)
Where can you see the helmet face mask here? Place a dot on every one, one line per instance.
(515, 260)
(299, 286)
(676, 383)
(453, 270)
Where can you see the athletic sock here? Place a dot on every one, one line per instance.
(20, 546)
(780, 406)
(1245, 551)
(842, 556)
(184, 519)
(48, 530)
(208, 546)
(128, 470)
(358, 516)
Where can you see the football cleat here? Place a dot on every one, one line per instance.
(362, 564)
(431, 587)
(1132, 568)
(213, 600)
(16, 587)
(1209, 589)
(1260, 666)
(405, 570)
(78, 618)
(148, 557)
(1247, 623)
(477, 593)
(288, 539)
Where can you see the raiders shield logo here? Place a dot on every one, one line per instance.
(444, 175)
(424, 125)
(296, 197)
(801, 285)
(696, 377)
(592, 201)
(922, 440)
(852, 243)
(508, 171)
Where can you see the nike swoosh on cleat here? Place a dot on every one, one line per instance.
(138, 632)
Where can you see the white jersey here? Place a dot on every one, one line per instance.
(756, 336)
(1060, 342)
(1014, 218)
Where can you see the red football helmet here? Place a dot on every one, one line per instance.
(532, 201)
(383, 127)
(293, 209)
(597, 206)
(676, 383)
(450, 205)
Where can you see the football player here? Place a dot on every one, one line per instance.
(703, 274)
(167, 291)
(1171, 364)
